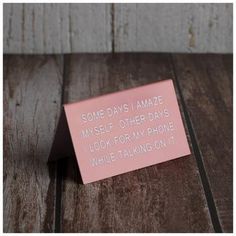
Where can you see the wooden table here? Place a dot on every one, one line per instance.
(190, 194)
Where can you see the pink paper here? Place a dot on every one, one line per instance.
(127, 130)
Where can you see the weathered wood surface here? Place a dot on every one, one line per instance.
(32, 97)
(162, 198)
(206, 84)
(56, 28)
(173, 27)
(70, 28)
(169, 197)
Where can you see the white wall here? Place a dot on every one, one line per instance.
(70, 28)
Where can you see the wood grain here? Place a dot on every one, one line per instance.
(32, 99)
(90, 27)
(173, 27)
(48, 28)
(72, 28)
(163, 198)
(206, 84)
(12, 15)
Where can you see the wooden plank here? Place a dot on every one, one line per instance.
(12, 30)
(163, 198)
(173, 27)
(206, 84)
(32, 101)
(56, 28)
(91, 27)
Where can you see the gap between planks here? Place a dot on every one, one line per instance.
(198, 156)
(60, 163)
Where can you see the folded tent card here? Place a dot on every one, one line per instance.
(123, 131)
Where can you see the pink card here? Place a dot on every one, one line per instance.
(123, 131)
